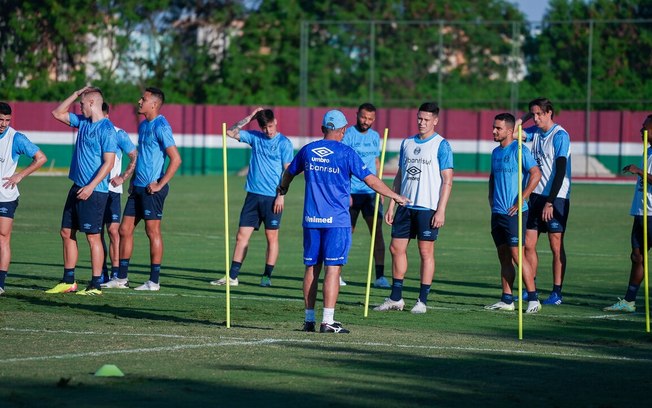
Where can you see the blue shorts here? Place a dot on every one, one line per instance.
(84, 215)
(504, 229)
(113, 208)
(8, 208)
(328, 245)
(145, 206)
(410, 223)
(365, 203)
(259, 208)
(560, 210)
(637, 232)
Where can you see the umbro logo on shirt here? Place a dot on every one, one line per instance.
(322, 151)
(413, 171)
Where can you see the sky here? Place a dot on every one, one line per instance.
(533, 9)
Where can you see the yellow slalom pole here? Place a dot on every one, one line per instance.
(226, 229)
(520, 231)
(375, 225)
(645, 244)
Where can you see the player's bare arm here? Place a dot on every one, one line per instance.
(234, 131)
(38, 160)
(444, 194)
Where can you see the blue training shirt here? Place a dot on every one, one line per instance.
(328, 166)
(153, 138)
(93, 140)
(22, 146)
(504, 168)
(268, 160)
(367, 145)
(125, 145)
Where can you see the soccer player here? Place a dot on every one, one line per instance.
(328, 166)
(92, 160)
(425, 177)
(636, 274)
(271, 153)
(503, 201)
(113, 205)
(550, 201)
(13, 144)
(149, 188)
(366, 142)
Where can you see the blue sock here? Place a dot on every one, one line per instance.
(235, 269)
(268, 270)
(397, 290)
(3, 275)
(532, 296)
(632, 290)
(115, 271)
(105, 274)
(380, 271)
(68, 275)
(507, 298)
(154, 272)
(95, 282)
(557, 289)
(423, 293)
(123, 271)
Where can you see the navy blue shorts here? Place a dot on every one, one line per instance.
(259, 208)
(328, 245)
(8, 208)
(366, 204)
(113, 208)
(504, 229)
(637, 232)
(410, 223)
(84, 215)
(560, 210)
(145, 206)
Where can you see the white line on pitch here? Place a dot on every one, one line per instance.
(240, 342)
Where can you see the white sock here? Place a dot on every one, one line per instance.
(329, 312)
(310, 315)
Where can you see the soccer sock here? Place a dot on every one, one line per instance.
(632, 290)
(95, 282)
(123, 268)
(235, 269)
(268, 270)
(380, 271)
(154, 272)
(397, 290)
(507, 298)
(423, 293)
(532, 296)
(3, 275)
(329, 312)
(115, 271)
(310, 315)
(105, 273)
(557, 289)
(68, 275)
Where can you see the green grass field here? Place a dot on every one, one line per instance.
(175, 350)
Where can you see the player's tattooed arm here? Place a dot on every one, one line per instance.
(234, 131)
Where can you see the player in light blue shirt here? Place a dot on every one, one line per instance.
(149, 188)
(271, 153)
(93, 158)
(550, 200)
(328, 166)
(503, 200)
(13, 144)
(366, 142)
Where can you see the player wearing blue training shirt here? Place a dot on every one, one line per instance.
(12, 145)
(637, 272)
(550, 201)
(113, 206)
(503, 200)
(328, 166)
(92, 160)
(271, 153)
(149, 187)
(366, 142)
(425, 177)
